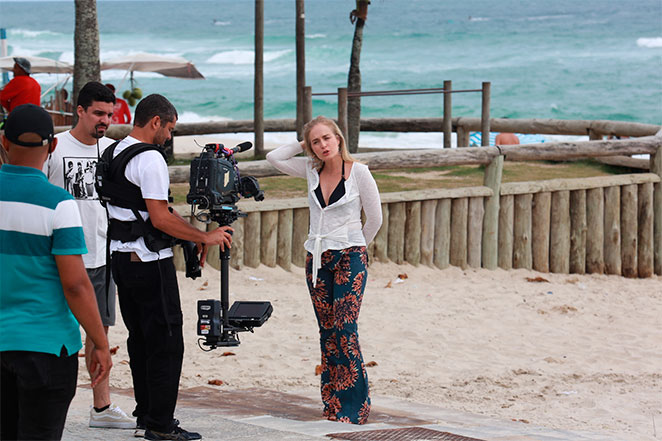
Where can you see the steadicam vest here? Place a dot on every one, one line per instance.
(115, 189)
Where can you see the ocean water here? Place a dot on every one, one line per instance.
(594, 59)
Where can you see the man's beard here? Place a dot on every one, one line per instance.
(99, 131)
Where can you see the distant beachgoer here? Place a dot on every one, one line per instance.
(121, 112)
(505, 138)
(336, 264)
(22, 89)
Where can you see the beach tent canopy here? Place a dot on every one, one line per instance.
(167, 65)
(39, 65)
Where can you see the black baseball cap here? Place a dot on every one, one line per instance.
(29, 118)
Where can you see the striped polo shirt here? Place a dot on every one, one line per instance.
(37, 221)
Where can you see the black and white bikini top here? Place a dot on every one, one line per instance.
(337, 193)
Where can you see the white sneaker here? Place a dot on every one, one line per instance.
(111, 418)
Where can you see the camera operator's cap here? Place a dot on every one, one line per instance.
(29, 119)
(24, 64)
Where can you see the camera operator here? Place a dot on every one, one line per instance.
(145, 274)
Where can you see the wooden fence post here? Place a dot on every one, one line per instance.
(485, 115)
(522, 256)
(594, 135)
(342, 110)
(428, 209)
(252, 232)
(237, 250)
(458, 243)
(645, 233)
(269, 238)
(462, 136)
(308, 104)
(396, 232)
(490, 239)
(413, 232)
(475, 217)
(381, 239)
(442, 233)
(448, 110)
(559, 233)
(629, 207)
(578, 228)
(612, 222)
(300, 223)
(284, 242)
(595, 236)
(506, 221)
(540, 218)
(656, 167)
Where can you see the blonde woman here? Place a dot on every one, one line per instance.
(336, 264)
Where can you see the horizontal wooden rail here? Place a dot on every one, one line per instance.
(513, 188)
(531, 126)
(468, 156)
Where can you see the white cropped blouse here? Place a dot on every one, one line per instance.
(338, 225)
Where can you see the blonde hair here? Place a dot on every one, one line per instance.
(317, 162)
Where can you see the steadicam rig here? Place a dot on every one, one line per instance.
(215, 187)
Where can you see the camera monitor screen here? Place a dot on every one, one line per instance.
(249, 313)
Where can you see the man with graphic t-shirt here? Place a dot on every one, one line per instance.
(68, 166)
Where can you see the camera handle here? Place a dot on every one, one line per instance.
(229, 337)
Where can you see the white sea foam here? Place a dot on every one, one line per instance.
(244, 57)
(314, 36)
(28, 33)
(548, 17)
(191, 117)
(649, 42)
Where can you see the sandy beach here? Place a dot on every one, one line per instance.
(561, 351)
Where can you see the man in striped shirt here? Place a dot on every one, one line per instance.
(44, 290)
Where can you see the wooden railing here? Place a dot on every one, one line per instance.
(607, 225)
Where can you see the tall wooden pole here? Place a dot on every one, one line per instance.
(86, 46)
(342, 111)
(301, 64)
(258, 89)
(656, 167)
(485, 115)
(447, 124)
(307, 105)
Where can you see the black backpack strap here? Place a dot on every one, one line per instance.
(112, 186)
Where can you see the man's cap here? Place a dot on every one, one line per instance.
(24, 64)
(29, 118)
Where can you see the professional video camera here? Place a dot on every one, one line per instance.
(215, 187)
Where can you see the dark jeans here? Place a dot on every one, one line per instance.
(149, 302)
(36, 389)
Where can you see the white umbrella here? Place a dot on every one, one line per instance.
(167, 65)
(39, 65)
